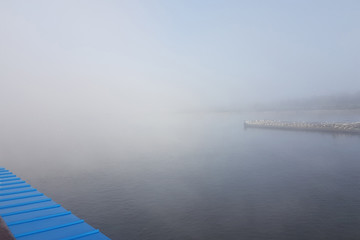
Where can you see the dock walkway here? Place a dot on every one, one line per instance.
(30, 215)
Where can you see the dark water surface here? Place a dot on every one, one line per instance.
(195, 176)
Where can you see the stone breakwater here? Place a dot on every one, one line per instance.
(307, 126)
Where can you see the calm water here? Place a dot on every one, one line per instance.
(194, 176)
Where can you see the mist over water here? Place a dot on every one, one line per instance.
(198, 176)
(130, 114)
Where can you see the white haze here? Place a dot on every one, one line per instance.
(80, 66)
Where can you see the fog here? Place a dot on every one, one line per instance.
(145, 55)
(80, 66)
(136, 109)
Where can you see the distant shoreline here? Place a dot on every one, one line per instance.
(278, 110)
(304, 109)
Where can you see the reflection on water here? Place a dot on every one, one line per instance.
(195, 176)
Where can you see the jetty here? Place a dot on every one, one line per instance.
(336, 127)
(27, 214)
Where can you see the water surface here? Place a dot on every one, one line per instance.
(195, 175)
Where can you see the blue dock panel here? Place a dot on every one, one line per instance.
(30, 215)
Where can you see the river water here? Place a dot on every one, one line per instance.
(195, 175)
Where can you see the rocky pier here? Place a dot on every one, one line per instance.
(341, 127)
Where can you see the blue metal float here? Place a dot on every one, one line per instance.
(30, 215)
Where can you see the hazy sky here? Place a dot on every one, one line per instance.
(165, 54)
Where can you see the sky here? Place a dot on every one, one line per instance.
(146, 55)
